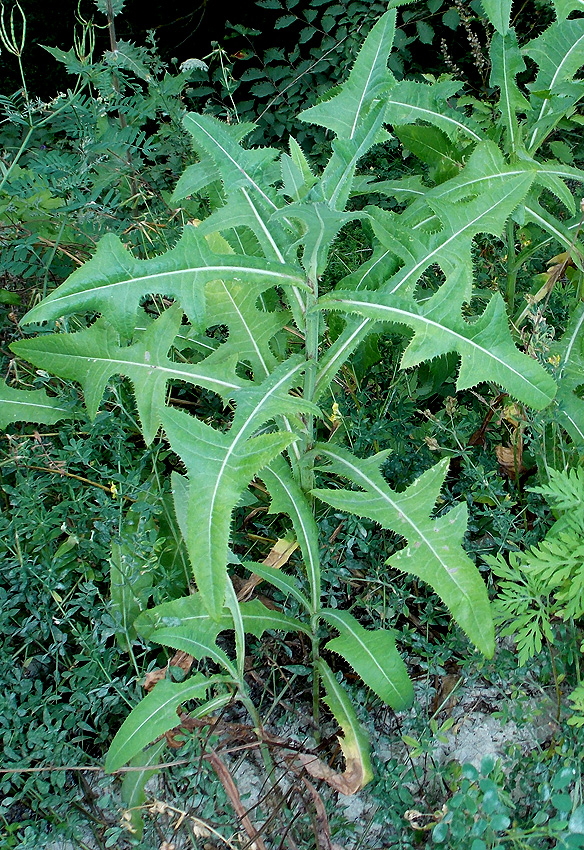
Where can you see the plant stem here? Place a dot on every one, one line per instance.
(19, 153)
(315, 678)
(311, 353)
(556, 682)
(511, 267)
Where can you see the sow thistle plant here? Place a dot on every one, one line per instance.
(254, 267)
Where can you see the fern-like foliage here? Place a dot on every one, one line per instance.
(546, 582)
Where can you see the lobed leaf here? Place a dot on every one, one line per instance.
(485, 347)
(93, 356)
(409, 101)
(221, 465)
(30, 406)
(506, 63)
(369, 80)
(558, 52)
(434, 552)
(113, 282)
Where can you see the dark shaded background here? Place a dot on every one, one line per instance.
(184, 29)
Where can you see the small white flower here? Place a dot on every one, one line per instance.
(191, 64)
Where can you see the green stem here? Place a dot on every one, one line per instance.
(511, 267)
(254, 714)
(556, 680)
(315, 682)
(19, 153)
(311, 351)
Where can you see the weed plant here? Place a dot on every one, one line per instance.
(285, 391)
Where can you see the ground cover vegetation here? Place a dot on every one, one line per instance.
(289, 430)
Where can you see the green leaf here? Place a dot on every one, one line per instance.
(94, 355)
(355, 111)
(117, 6)
(506, 63)
(486, 349)
(558, 53)
(355, 741)
(370, 79)
(297, 175)
(576, 822)
(451, 19)
(236, 166)
(30, 406)
(373, 656)
(113, 282)
(154, 716)
(570, 353)
(560, 231)
(284, 21)
(288, 498)
(128, 56)
(131, 578)
(498, 12)
(319, 226)
(564, 7)
(132, 790)
(409, 102)
(434, 552)
(432, 146)
(221, 465)
(188, 611)
(425, 32)
(285, 583)
(193, 179)
(257, 618)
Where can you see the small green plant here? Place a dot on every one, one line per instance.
(250, 328)
(482, 813)
(544, 585)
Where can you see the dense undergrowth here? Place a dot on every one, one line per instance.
(477, 425)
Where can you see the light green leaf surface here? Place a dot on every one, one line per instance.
(95, 355)
(154, 716)
(434, 552)
(30, 406)
(234, 303)
(370, 78)
(373, 656)
(355, 741)
(498, 12)
(113, 282)
(355, 112)
(506, 63)
(287, 584)
(297, 175)
(559, 53)
(410, 101)
(564, 7)
(254, 169)
(486, 349)
(221, 465)
(288, 498)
